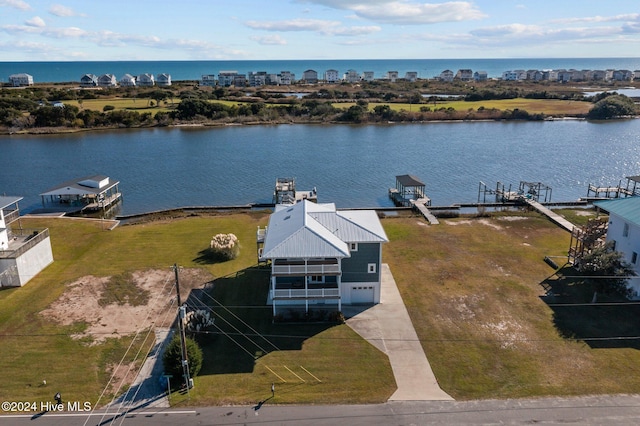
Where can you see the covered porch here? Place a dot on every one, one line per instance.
(305, 282)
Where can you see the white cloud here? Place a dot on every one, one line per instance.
(63, 11)
(293, 25)
(314, 25)
(17, 4)
(36, 21)
(595, 19)
(406, 12)
(269, 40)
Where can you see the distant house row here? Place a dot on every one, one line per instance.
(127, 80)
(284, 78)
(562, 75)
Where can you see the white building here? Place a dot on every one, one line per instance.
(225, 78)
(392, 76)
(464, 74)
(351, 76)
(446, 75)
(331, 76)
(411, 76)
(208, 80)
(480, 76)
(146, 79)
(367, 76)
(127, 80)
(107, 80)
(623, 232)
(23, 252)
(257, 78)
(22, 79)
(163, 79)
(310, 76)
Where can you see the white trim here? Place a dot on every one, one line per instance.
(353, 246)
(371, 268)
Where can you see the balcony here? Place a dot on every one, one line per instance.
(305, 268)
(302, 294)
(21, 241)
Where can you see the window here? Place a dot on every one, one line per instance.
(634, 257)
(613, 245)
(353, 246)
(316, 279)
(371, 268)
(625, 230)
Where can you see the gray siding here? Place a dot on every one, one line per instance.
(354, 269)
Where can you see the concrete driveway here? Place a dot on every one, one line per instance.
(388, 327)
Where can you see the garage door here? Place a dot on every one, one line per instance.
(362, 294)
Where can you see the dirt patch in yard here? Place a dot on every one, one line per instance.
(83, 302)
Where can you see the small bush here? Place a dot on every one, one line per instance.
(225, 246)
(108, 108)
(172, 359)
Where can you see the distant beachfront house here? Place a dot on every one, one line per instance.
(127, 80)
(21, 79)
(225, 78)
(331, 76)
(240, 80)
(208, 80)
(351, 76)
(509, 75)
(322, 257)
(623, 231)
(367, 76)
(464, 74)
(411, 76)
(310, 76)
(534, 75)
(107, 80)
(90, 193)
(596, 75)
(480, 76)
(636, 75)
(446, 75)
(23, 252)
(146, 79)
(163, 79)
(89, 80)
(392, 76)
(257, 78)
(286, 78)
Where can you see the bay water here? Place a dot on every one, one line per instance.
(352, 166)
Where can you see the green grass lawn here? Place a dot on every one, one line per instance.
(474, 288)
(533, 106)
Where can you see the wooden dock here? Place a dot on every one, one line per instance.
(554, 217)
(420, 204)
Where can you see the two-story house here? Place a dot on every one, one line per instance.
(321, 256)
(623, 231)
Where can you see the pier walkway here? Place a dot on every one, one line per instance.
(420, 204)
(554, 217)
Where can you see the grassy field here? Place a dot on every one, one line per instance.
(475, 290)
(533, 106)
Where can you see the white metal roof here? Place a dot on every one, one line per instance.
(6, 201)
(310, 230)
(83, 186)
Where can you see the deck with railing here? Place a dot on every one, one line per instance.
(22, 240)
(301, 268)
(308, 293)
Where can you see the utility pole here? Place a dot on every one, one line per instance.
(183, 337)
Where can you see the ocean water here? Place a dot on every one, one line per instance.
(58, 72)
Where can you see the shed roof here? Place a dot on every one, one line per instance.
(409, 180)
(626, 208)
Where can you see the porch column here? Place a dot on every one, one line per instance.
(339, 282)
(273, 294)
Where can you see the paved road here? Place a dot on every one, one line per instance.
(596, 410)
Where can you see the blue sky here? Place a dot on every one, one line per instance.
(71, 30)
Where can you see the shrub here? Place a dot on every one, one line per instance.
(172, 359)
(108, 108)
(198, 320)
(225, 246)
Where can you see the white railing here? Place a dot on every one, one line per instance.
(312, 293)
(323, 269)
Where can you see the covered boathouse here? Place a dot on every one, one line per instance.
(91, 193)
